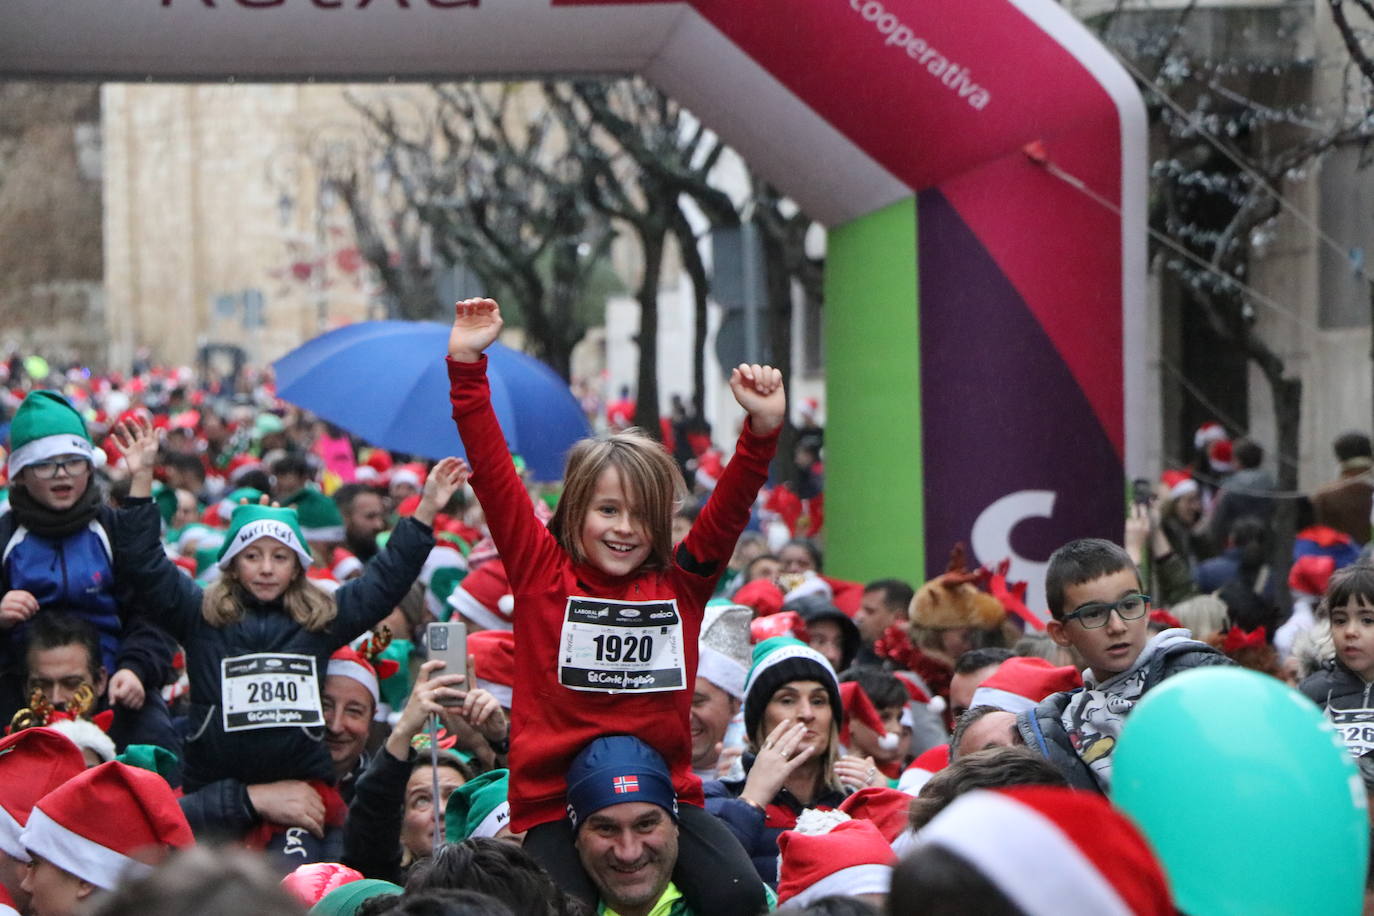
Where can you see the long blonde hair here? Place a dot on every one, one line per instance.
(307, 605)
(651, 480)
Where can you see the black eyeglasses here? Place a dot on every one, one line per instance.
(1092, 616)
(73, 465)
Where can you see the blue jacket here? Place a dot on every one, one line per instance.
(75, 575)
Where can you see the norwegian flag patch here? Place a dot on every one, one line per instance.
(623, 784)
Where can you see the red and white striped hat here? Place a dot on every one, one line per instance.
(1054, 852)
(109, 823)
(33, 762)
(493, 659)
(484, 597)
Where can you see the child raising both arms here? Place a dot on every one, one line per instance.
(608, 610)
(258, 640)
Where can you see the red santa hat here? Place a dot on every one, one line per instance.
(33, 762)
(493, 659)
(379, 459)
(1221, 456)
(858, 707)
(785, 623)
(107, 824)
(310, 882)
(887, 809)
(350, 663)
(1019, 684)
(412, 474)
(1310, 574)
(343, 564)
(241, 464)
(852, 858)
(926, 765)
(1177, 483)
(484, 597)
(1207, 433)
(1053, 850)
(763, 595)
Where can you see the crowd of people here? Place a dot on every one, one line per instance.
(217, 670)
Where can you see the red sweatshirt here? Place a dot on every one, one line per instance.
(562, 610)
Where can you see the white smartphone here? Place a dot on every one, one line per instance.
(448, 642)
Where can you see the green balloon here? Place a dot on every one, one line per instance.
(1247, 794)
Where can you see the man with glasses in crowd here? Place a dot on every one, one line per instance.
(1099, 608)
(55, 543)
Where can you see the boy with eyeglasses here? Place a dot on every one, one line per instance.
(56, 556)
(1098, 608)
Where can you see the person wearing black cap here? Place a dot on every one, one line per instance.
(624, 816)
(829, 629)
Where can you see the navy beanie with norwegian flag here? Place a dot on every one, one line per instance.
(615, 769)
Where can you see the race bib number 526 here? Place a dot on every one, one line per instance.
(270, 690)
(621, 646)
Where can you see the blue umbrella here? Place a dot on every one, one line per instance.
(385, 381)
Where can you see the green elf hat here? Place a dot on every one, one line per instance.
(45, 426)
(149, 757)
(251, 522)
(478, 808)
(779, 661)
(319, 516)
(345, 899)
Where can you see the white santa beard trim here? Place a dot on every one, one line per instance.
(493, 822)
(462, 601)
(848, 882)
(1004, 700)
(49, 447)
(77, 855)
(10, 829)
(501, 692)
(354, 671)
(1024, 855)
(721, 670)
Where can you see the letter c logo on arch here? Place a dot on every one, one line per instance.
(991, 539)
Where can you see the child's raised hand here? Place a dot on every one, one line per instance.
(476, 325)
(137, 442)
(760, 391)
(446, 478)
(126, 689)
(16, 607)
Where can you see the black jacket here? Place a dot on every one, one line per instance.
(372, 836)
(1345, 696)
(174, 601)
(1042, 728)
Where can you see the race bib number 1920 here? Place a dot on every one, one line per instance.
(621, 646)
(270, 690)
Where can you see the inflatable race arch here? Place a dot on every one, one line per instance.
(980, 165)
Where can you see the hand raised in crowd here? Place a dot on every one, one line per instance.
(760, 391)
(855, 773)
(447, 477)
(782, 753)
(125, 689)
(476, 325)
(725, 759)
(137, 442)
(1143, 528)
(16, 607)
(426, 698)
(289, 803)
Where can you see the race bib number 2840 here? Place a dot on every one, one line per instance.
(621, 646)
(269, 690)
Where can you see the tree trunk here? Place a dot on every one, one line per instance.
(646, 395)
(1287, 394)
(701, 287)
(778, 282)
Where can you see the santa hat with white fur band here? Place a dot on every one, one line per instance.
(1177, 483)
(108, 823)
(1019, 684)
(33, 762)
(484, 597)
(852, 858)
(347, 662)
(1054, 852)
